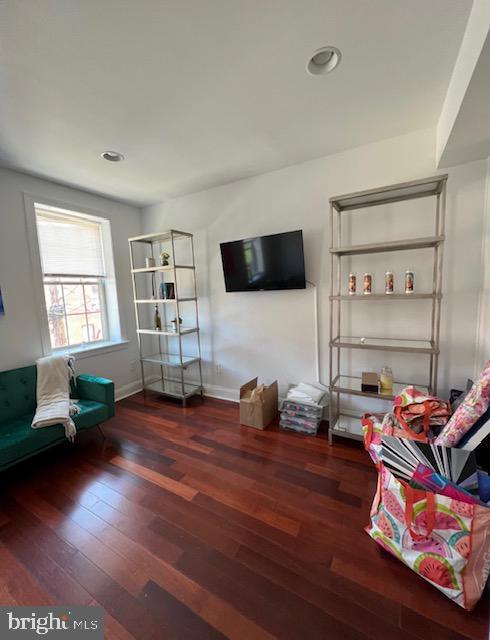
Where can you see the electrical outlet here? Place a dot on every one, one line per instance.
(218, 368)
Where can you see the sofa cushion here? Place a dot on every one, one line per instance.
(98, 389)
(17, 392)
(19, 440)
(91, 413)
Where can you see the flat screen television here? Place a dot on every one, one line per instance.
(266, 263)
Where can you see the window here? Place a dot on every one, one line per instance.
(74, 276)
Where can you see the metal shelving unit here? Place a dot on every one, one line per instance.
(170, 357)
(341, 420)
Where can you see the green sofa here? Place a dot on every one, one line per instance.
(18, 440)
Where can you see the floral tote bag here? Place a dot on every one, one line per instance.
(445, 541)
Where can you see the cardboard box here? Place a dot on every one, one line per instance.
(370, 382)
(258, 404)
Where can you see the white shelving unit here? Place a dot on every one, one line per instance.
(171, 357)
(343, 422)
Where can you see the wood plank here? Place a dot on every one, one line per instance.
(175, 618)
(377, 622)
(178, 488)
(113, 630)
(58, 584)
(18, 583)
(256, 597)
(135, 560)
(248, 502)
(415, 594)
(120, 604)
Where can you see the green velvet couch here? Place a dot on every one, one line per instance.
(18, 440)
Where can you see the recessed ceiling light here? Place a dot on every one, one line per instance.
(112, 156)
(323, 61)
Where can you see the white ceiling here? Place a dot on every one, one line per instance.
(199, 92)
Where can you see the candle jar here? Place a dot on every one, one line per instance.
(352, 284)
(409, 278)
(368, 284)
(389, 282)
(386, 380)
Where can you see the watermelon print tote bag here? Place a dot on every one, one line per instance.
(445, 541)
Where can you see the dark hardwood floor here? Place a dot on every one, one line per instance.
(182, 524)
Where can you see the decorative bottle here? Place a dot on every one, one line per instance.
(157, 320)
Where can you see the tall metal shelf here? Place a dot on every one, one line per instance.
(170, 357)
(341, 420)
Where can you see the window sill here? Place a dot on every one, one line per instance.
(95, 350)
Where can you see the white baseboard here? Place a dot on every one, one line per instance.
(222, 393)
(211, 390)
(128, 389)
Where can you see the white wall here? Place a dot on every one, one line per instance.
(483, 353)
(20, 337)
(472, 48)
(271, 334)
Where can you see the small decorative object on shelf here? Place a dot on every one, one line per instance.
(389, 282)
(149, 263)
(169, 291)
(161, 291)
(164, 259)
(386, 381)
(409, 278)
(368, 284)
(352, 284)
(369, 382)
(157, 321)
(176, 323)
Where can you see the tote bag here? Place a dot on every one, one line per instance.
(445, 541)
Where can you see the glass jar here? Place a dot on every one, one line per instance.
(386, 380)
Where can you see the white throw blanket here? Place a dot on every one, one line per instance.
(306, 393)
(54, 405)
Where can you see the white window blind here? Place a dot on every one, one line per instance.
(69, 245)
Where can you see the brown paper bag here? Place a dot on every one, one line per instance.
(258, 404)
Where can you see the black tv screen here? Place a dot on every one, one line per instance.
(265, 263)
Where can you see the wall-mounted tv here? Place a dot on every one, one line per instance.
(266, 263)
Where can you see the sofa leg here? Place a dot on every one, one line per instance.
(100, 431)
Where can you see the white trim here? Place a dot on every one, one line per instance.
(133, 387)
(482, 351)
(211, 391)
(37, 272)
(127, 390)
(222, 393)
(95, 349)
(114, 319)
